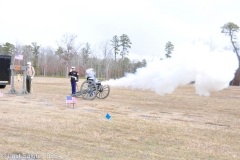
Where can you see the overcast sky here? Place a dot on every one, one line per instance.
(150, 24)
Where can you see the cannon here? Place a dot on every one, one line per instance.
(90, 89)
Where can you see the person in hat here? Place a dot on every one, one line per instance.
(30, 75)
(90, 74)
(74, 79)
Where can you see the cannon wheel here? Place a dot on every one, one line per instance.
(88, 90)
(103, 91)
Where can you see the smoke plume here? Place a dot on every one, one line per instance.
(211, 71)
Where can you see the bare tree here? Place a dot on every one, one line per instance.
(42, 62)
(27, 53)
(35, 52)
(230, 29)
(85, 55)
(18, 50)
(211, 44)
(107, 52)
(169, 47)
(46, 61)
(67, 49)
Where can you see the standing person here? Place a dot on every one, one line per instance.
(74, 79)
(30, 75)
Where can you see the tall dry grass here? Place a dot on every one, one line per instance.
(143, 125)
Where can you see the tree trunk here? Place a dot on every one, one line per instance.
(67, 72)
(236, 79)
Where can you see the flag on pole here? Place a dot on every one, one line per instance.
(71, 100)
(19, 56)
(108, 116)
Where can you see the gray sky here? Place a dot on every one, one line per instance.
(150, 24)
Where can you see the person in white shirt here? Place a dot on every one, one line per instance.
(30, 76)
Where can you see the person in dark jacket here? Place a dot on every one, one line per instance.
(74, 79)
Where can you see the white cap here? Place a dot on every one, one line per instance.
(73, 67)
(89, 71)
(29, 63)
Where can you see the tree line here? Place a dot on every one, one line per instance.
(108, 59)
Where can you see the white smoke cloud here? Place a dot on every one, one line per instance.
(211, 71)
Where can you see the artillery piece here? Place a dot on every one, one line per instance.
(90, 89)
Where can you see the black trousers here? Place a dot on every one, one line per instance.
(28, 84)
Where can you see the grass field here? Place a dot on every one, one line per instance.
(143, 125)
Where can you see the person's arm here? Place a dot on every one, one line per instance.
(77, 77)
(33, 72)
(70, 72)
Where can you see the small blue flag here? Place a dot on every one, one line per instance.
(108, 116)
